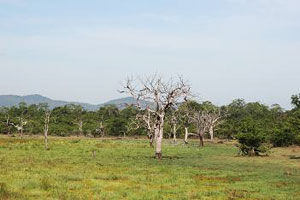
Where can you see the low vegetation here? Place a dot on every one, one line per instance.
(81, 168)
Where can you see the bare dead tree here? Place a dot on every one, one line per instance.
(186, 111)
(45, 113)
(46, 127)
(7, 123)
(144, 119)
(20, 126)
(214, 119)
(175, 124)
(77, 112)
(100, 130)
(80, 129)
(148, 121)
(133, 124)
(200, 118)
(164, 94)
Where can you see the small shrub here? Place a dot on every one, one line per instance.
(252, 144)
(3, 191)
(297, 139)
(75, 141)
(45, 184)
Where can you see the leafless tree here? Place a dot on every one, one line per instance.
(46, 127)
(144, 119)
(20, 126)
(185, 111)
(100, 130)
(174, 120)
(214, 119)
(77, 112)
(46, 114)
(164, 94)
(148, 121)
(200, 118)
(132, 124)
(80, 129)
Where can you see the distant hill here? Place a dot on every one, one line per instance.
(14, 100)
(124, 102)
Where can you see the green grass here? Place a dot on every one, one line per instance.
(126, 169)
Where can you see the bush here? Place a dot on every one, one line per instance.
(297, 139)
(3, 191)
(283, 139)
(252, 144)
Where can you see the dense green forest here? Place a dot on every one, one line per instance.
(253, 124)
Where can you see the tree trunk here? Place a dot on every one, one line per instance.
(46, 138)
(8, 126)
(186, 135)
(211, 133)
(21, 132)
(174, 133)
(201, 140)
(46, 128)
(159, 139)
(80, 128)
(151, 141)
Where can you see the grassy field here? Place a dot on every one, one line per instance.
(126, 169)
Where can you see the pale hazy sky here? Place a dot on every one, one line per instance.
(82, 50)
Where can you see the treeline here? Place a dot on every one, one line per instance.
(67, 120)
(253, 124)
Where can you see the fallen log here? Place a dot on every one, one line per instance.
(294, 157)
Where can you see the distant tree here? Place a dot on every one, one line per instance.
(235, 113)
(63, 121)
(21, 117)
(201, 120)
(106, 118)
(6, 118)
(296, 100)
(213, 116)
(129, 115)
(100, 130)
(174, 120)
(146, 119)
(186, 111)
(44, 108)
(77, 115)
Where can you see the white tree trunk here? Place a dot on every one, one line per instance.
(46, 137)
(174, 133)
(159, 138)
(211, 133)
(201, 137)
(21, 132)
(80, 124)
(186, 134)
(46, 128)
(8, 124)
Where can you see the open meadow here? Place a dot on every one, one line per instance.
(81, 168)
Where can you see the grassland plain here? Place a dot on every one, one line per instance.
(80, 168)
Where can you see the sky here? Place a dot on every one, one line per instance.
(83, 50)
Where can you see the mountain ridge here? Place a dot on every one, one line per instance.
(14, 100)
